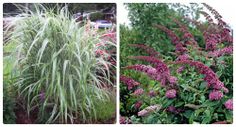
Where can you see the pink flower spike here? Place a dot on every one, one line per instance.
(138, 92)
(180, 69)
(215, 95)
(129, 82)
(229, 104)
(138, 104)
(172, 80)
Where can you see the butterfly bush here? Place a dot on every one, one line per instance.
(150, 71)
(131, 83)
(160, 72)
(193, 83)
(210, 77)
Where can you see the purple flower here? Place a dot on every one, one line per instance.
(215, 95)
(129, 82)
(138, 104)
(160, 73)
(179, 48)
(226, 90)
(172, 80)
(124, 120)
(229, 104)
(152, 93)
(171, 109)
(180, 69)
(183, 57)
(171, 93)
(187, 35)
(138, 92)
(226, 36)
(211, 40)
(225, 51)
(150, 71)
(160, 66)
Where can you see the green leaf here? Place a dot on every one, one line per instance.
(209, 103)
(207, 117)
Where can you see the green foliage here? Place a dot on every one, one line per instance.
(144, 16)
(9, 103)
(106, 110)
(96, 16)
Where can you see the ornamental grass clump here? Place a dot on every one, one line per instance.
(59, 71)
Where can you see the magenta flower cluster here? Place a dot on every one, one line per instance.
(171, 93)
(180, 69)
(180, 48)
(220, 52)
(160, 73)
(138, 92)
(129, 82)
(150, 71)
(182, 57)
(173, 109)
(138, 104)
(229, 104)
(152, 93)
(226, 36)
(124, 120)
(211, 40)
(215, 95)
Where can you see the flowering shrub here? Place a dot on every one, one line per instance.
(192, 84)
